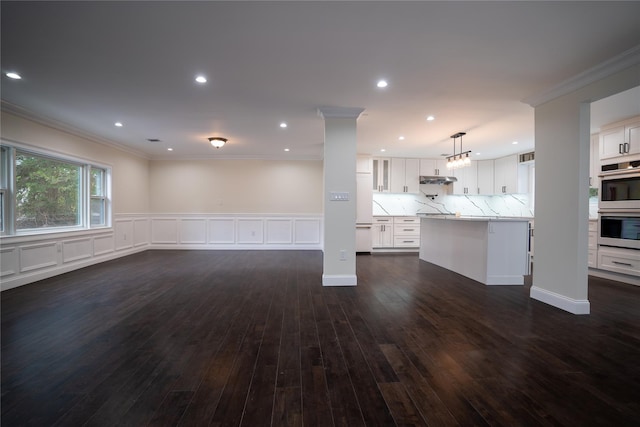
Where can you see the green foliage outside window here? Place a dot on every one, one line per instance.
(47, 192)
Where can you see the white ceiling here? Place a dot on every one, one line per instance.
(470, 64)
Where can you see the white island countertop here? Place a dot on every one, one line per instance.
(473, 217)
(491, 250)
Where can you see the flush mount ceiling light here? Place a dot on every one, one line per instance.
(217, 142)
(461, 159)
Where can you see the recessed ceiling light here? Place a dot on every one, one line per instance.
(201, 79)
(169, 149)
(477, 154)
(14, 76)
(382, 150)
(401, 138)
(286, 149)
(382, 83)
(430, 118)
(515, 142)
(118, 124)
(283, 125)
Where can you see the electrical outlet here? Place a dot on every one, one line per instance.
(343, 255)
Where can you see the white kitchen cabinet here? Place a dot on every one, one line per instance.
(505, 175)
(467, 180)
(619, 260)
(433, 167)
(406, 232)
(594, 161)
(364, 199)
(364, 164)
(381, 168)
(593, 243)
(382, 232)
(405, 175)
(485, 177)
(620, 139)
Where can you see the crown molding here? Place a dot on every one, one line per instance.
(19, 111)
(618, 63)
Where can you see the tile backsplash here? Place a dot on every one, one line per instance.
(433, 202)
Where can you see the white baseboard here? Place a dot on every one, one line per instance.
(339, 280)
(560, 301)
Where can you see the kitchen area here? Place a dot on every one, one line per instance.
(479, 220)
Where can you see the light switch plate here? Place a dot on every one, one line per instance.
(339, 196)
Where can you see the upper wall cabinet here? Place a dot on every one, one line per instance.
(594, 161)
(405, 175)
(620, 139)
(506, 175)
(467, 180)
(381, 168)
(364, 164)
(485, 177)
(433, 167)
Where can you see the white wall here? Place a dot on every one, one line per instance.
(236, 186)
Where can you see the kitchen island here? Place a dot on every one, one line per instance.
(490, 250)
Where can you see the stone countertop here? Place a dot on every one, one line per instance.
(473, 217)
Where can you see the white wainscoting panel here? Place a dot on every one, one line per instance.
(140, 232)
(193, 231)
(164, 231)
(222, 231)
(124, 234)
(308, 231)
(37, 256)
(76, 249)
(103, 245)
(9, 261)
(279, 231)
(250, 231)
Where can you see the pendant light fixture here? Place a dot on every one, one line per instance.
(461, 159)
(217, 142)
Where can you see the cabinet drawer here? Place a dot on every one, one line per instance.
(619, 260)
(383, 220)
(406, 242)
(406, 220)
(406, 230)
(593, 239)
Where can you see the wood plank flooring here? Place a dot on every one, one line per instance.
(251, 338)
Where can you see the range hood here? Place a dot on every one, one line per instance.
(440, 180)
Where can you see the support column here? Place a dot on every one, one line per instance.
(340, 148)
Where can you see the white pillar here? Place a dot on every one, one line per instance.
(340, 147)
(560, 273)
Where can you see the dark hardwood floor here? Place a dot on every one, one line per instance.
(252, 338)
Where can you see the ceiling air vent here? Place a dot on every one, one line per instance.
(153, 140)
(527, 157)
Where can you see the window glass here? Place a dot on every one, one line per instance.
(47, 192)
(98, 199)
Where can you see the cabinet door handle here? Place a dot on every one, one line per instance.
(622, 263)
(626, 147)
(620, 149)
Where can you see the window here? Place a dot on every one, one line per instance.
(41, 192)
(98, 196)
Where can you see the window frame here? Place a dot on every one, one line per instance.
(8, 190)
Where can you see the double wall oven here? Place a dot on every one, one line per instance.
(619, 205)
